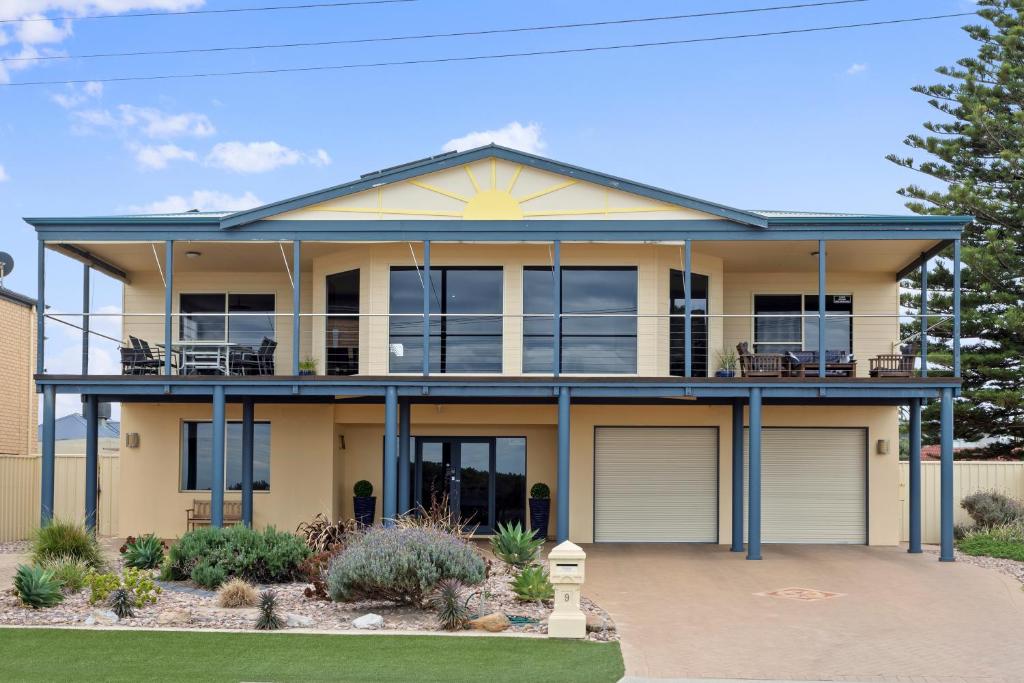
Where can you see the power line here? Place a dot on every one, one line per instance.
(422, 36)
(272, 8)
(472, 58)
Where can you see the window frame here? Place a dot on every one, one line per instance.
(181, 455)
(803, 313)
(227, 314)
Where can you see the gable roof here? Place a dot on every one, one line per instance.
(444, 161)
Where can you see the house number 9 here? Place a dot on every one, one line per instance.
(566, 597)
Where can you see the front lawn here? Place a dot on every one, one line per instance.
(54, 654)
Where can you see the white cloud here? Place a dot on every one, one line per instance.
(3, 174)
(158, 156)
(203, 200)
(526, 138)
(41, 30)
(149, 121)
(260, 157)
(75, 96)
(856, 68)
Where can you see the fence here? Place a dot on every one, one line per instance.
(968, 478)
(20, 490)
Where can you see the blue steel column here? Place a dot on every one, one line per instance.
(404, 446)
(86, 318)
(924, 318)
(296, 304)
(390, 456)
(822, 320)
(426, 308)
(688, 320)
(556, 309)
(217, 459)
(91, 458)
(49, 454)
(956, 308)
(914, 492)
(754, 455)
(562, 507)
(40, 306)
(248, 436)
(946, 488)
(737, 476)
(168, 303)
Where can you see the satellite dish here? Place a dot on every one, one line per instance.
(6, 265)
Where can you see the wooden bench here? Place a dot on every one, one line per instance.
(892, 365)
(199, 514)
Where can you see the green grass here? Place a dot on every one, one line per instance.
(54, 654)
(991, 545)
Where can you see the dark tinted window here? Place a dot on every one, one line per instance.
(250, 318)
(698, 324)
(202, 317)
(342, 343)
(196, 442)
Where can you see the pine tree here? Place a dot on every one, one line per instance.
(977, 153)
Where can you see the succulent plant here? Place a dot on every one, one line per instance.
(515, 545)
(533, 585)
(451, 604)
(37, 587)
(269, 619)
(122, 603)
(144, 552)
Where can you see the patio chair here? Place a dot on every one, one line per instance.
(891, 365)
(259, 362)
(134, 362)
(759, 364)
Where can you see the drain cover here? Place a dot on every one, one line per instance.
(802, 594)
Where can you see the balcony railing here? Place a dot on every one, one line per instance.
(606, 343)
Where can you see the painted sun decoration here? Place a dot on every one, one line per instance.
(491, 189)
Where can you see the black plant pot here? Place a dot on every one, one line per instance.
(364, 508)
(725, 373)
(540, 513)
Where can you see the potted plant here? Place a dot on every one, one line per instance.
(364, 503)
(726, 363)
(540, 509)
(307, 366)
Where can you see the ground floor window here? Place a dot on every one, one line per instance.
(782, 325)
(196, 445)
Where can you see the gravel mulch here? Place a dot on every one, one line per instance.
(15, 547)
(1011, 568)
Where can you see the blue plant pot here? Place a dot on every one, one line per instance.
(540, 514)
(725, 373)
(364, 508)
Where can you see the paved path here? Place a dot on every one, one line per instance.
(692, 611)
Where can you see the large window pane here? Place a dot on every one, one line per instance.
(538, 294)
(510, 481)
(196, 445)
(255, 322)
(778, 327)
(698, 324)
(342, 344)
(197, 320)
(838, 331)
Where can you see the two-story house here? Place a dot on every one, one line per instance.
(476, 322)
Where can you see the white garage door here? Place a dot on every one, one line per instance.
(813, 485)
(656, 484)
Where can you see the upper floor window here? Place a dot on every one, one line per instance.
(698, 324)
(598, 330)
(242, 319)
(342, 342)
(466, 304)
(781, 323)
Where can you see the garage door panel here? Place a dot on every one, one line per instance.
(813, 485)
(654, 484)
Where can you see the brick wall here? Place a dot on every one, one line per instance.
(19, 406)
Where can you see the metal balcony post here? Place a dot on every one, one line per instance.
(91, 458)
(956, 308)
(688, 319)
(390, 456)
(754, 455)
(248, 434)
(86, 318)
(946, 481)
(822, 319)
(556, 310)
(426, 308)
(737, 476)
(296, 304)
(924, 317)
(914, 492)
(40, 306)
(217, 459)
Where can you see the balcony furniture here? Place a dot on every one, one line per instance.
(199, 514)
(837, 364)
(759, 364)
(246, 361)
(140, 359)
(892, 365)
(201, 357)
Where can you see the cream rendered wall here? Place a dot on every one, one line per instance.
(301, 466)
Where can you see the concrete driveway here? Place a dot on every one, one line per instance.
(698, 611)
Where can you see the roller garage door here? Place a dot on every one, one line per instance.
(813, 485)
(656, 484)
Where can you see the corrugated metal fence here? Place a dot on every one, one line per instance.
(968, 478)
(20, 487)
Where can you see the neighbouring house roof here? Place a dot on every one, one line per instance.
(17, 298)
(73, 427)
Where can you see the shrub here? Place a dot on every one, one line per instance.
(514, 545)
(314, 570)
(237, 593)
(268, 556)
(362, 489)
(122, 603)
(401, 565)
(144, 552)
(533, 584)
(540, 490)
(452, 605)
(62, 538)
(37, 587)
(101, 585)
(1006, 541)
(437, 517)
(322, 534)
(68, 571)
(139, 584)
(269, 620)
(991, 508)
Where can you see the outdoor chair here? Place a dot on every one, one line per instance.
(759, 364)
(891, 365)
(837, 364)
(199, 514)
(258, 362)
(139, 359)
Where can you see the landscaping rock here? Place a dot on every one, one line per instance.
(369, 621)
(301, 621)
(102, 617)
(598, 624)
(173, 617)
(221, 613)
(493, 622)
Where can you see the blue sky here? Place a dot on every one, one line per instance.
(792, 122)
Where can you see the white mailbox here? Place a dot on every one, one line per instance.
(566, 567)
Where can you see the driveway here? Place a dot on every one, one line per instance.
(694, 611)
